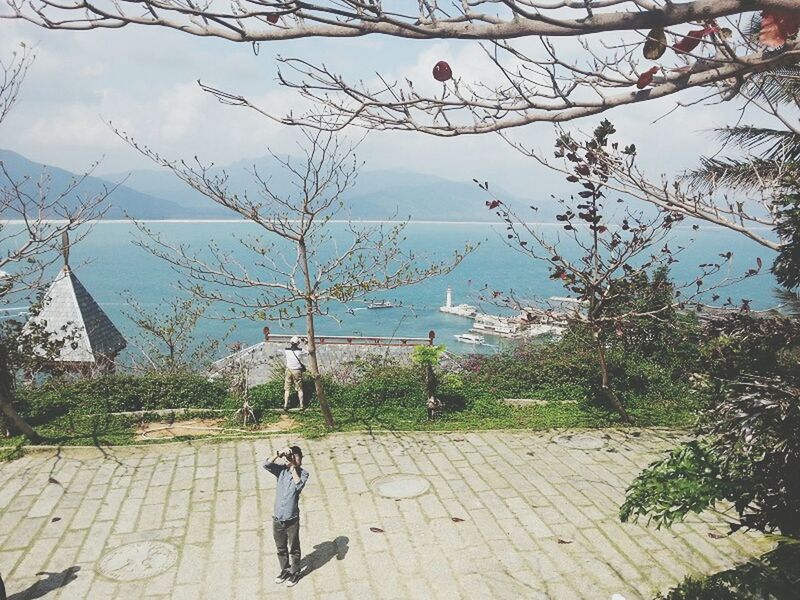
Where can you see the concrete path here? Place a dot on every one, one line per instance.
(192, 520)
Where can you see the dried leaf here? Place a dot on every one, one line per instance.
(776, 26)
(55, 519)
(693, 38)
(564, 541)
(715, 536)
(646, 78)
(656, 44)
(457, 519)
(376, 530)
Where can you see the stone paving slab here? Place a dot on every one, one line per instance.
(193, 520)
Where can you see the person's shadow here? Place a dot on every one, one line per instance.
(53, 581)
(323, 553)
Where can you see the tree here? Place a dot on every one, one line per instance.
(428, 358)
(755, 192)
(747, 446)
(613, 258)
(30, 234)
(167, 335)
(534, 81)
(747, 449)
(281, 287)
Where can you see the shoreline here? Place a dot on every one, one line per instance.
(340, 221)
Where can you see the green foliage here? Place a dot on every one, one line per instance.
(688, 480)
(119, 393)
(774, 575)
(749, 435)
(787, 225)
(426, 355)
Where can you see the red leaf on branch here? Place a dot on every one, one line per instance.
(646, 77)
(777, 25)
(693, 38)
(493, 204)
(272, 18)
(442, 71)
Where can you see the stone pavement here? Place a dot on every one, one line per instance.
(192, 520)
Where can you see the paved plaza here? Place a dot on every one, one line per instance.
(452, 515)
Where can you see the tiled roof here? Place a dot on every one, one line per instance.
(68, 303)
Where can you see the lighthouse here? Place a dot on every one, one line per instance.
(449, 301)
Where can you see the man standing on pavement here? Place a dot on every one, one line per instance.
(294, 372)
(286, 466)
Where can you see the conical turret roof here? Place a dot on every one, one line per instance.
(69, 306)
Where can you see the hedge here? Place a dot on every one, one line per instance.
(119, 393)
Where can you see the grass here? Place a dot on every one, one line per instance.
(402, 415)
(489, 415)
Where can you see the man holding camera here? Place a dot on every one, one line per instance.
(294, 372)
(286, 466)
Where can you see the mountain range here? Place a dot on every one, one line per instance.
(158, 194)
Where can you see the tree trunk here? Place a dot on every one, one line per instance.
(314, 369)
(312, 342)
(13, 417)
(605, 388)
(430, 381)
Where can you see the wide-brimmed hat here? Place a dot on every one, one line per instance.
(294, 340)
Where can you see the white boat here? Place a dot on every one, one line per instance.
(470, 338)
(380, 304)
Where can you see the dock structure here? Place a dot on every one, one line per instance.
(265, 360)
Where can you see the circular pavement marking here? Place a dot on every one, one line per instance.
(139, 560)
(401, 485)
(580, 441)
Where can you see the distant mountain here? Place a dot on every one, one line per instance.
(379, 194)
(122, 200)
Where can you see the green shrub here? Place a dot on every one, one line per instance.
(119, 393)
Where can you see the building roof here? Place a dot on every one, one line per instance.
(69, 305)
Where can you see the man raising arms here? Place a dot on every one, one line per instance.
(286, 466)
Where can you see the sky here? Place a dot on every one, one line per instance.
(144, 81)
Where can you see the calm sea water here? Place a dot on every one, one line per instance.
(109, 264)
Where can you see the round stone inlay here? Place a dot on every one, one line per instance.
(401, 485)
(139, 560)
(580, 441)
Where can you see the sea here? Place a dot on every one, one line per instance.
(111, 263)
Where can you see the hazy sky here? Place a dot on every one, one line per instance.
(144, 81)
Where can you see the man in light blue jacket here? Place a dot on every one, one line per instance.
(292, 477)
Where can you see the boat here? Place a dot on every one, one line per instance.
(470, 338)
(381, 304)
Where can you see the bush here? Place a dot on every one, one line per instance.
(119, 393)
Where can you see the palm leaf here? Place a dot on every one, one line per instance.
(735, 173)
(778, 86)
(781, 145)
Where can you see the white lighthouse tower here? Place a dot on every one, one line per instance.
(449, 301)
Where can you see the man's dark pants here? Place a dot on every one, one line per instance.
(287, 541)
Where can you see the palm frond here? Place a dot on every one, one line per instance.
(779, 86)
(781, 144)
(741, 174)
(790, 299)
